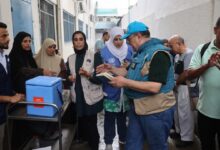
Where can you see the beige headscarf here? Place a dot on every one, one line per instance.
(45, 61)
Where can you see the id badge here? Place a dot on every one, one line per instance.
(133, 65)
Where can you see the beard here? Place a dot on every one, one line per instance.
(4, 46)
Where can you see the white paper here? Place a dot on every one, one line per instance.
(105, 74)
(44, 148)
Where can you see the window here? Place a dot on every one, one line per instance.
(80, 25)
(47, 20)
(68, 25)
(101, 19)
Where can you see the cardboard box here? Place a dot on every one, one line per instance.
(44, 89)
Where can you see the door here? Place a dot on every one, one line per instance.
(22, 17)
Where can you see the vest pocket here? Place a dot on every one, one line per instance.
(93, 93)
(154, 104)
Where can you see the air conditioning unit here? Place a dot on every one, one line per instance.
(81, 7)
(100, 19)
(105, 19)
(108, 19)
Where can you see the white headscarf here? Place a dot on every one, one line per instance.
(121, 52)
(48, 62)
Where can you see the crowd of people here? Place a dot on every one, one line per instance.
(147, 95)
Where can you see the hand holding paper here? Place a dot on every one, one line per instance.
(107, 75)
(103, 68)
(118, 81)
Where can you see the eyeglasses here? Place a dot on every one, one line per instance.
(117, 39)
(52, 46)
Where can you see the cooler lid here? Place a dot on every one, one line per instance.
(43, 81)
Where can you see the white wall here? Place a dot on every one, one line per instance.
(67, 5)
(36, 26)
(6, 17)
(36, 23)
(67, 48)
(192, 19)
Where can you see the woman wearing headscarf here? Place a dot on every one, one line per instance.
(48, 59)
(86, 89)
(116, 53)
(23, 65)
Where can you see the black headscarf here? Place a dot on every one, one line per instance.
(85, 48)
(23, 57)
(21, 62)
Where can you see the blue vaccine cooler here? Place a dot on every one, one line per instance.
(44, 89)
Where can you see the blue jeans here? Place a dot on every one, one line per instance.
(109, 126)
(154, 128)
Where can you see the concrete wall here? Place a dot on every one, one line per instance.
(67, 47)
(192, 19)
(36, 25)
(85, 17)
(60, 5)
(5, 16)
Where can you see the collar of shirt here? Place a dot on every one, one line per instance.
(213, 46)
(3, 60)
(2, 52)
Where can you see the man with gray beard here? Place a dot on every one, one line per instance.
(183, 117)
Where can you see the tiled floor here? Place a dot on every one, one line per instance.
(84, 146)
(195, 146)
